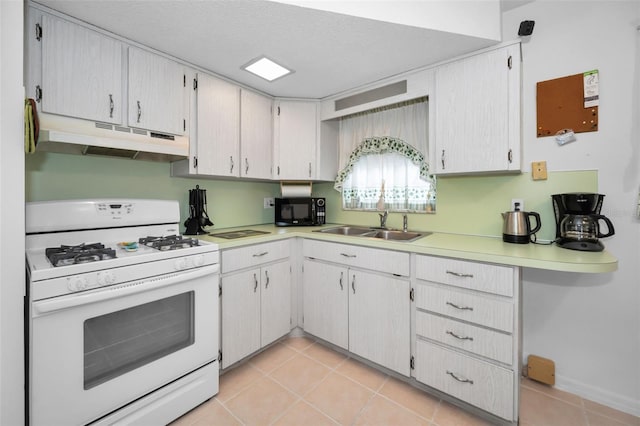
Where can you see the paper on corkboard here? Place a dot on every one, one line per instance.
(560, 104)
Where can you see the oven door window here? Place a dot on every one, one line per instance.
(122, 341)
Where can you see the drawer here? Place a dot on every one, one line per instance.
(392, 262)
(254, 255)
(467, 306)
(476, 382)
(472, 275)
(480, 341)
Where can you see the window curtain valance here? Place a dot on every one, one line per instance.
(381, 145)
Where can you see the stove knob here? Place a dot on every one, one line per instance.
(180, 264)
(76, 284)
(109, 277)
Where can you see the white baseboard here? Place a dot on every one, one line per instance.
(610, 399)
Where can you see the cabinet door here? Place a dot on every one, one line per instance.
(276, 301)
(81, 72)
(156, 93)
(256, 135)
(218, 127)
(325, 302)
(477, 113)
(295, 133)
(240, 315)
(379, 319)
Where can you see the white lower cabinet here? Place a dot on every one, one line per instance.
(255, 298)
(364, 311)
(467, 329)
(477, 382)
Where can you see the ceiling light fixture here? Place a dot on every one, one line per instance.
(266, 68)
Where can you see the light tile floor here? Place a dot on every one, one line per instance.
(300, 382)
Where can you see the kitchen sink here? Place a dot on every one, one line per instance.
(345, 230)
(394, 235)
(383, 234)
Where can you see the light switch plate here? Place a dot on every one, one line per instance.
(539, 170)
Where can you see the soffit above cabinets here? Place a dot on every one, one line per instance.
(330, 52)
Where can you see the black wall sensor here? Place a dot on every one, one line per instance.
(526, 28)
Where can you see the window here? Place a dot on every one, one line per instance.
(386, 172)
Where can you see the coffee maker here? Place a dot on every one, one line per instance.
(578, 221)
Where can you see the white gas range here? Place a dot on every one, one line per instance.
(122, 312)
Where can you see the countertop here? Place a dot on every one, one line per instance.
(466, 247)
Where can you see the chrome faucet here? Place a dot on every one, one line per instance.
(383, 218)
(405, 223)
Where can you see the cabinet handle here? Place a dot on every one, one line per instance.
(459, 379)
(139, 111)
(462, 308)
(510, 156)
(246, 165)
(442, 159)
(341, 277)
(348, 255)
(231, 163)
(278, 170)
(309, 169)
(260, 254)
(459, 274)
(255, 283)
(451, 333)
(266, 275)
(110, 105)
(353, 284)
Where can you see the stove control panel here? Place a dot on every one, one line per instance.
(114, 209)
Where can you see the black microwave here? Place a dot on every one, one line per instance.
(299, 211)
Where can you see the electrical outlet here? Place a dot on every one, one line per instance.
(268, 202)
(539, 170)
(520, 203)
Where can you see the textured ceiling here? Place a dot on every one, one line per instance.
(329, 52)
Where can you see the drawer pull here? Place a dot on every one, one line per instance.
(462, 308)
(459, 274)
(348, 255)
(260, 254)
(451, 333)
(459, 379)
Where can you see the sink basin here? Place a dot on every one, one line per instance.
(383, 234)
(345, 230)
(393, 235)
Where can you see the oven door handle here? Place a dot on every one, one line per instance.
(122, 290)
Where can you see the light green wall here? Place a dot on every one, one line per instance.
(466, 205)
(58, 176)
(472, 204)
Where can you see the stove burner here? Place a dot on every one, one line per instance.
(82, 253)
(171, 242)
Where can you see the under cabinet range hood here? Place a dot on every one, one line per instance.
(74, 136)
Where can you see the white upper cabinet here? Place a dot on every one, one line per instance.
(156, 99)
(217, 135)
(295, 140)
(81, 72)
(476, 126)
(256, 135)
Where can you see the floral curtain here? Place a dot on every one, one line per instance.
(385, 173)
(388, 172)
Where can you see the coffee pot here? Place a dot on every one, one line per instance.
(582, 231)
(516, 226)
(578, 221)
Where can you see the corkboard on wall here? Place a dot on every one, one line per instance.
(561, 105)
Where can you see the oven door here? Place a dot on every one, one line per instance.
(94, 352)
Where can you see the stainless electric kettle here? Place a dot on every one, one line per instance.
(516, 226)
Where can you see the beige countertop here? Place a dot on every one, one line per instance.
(467, 247)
